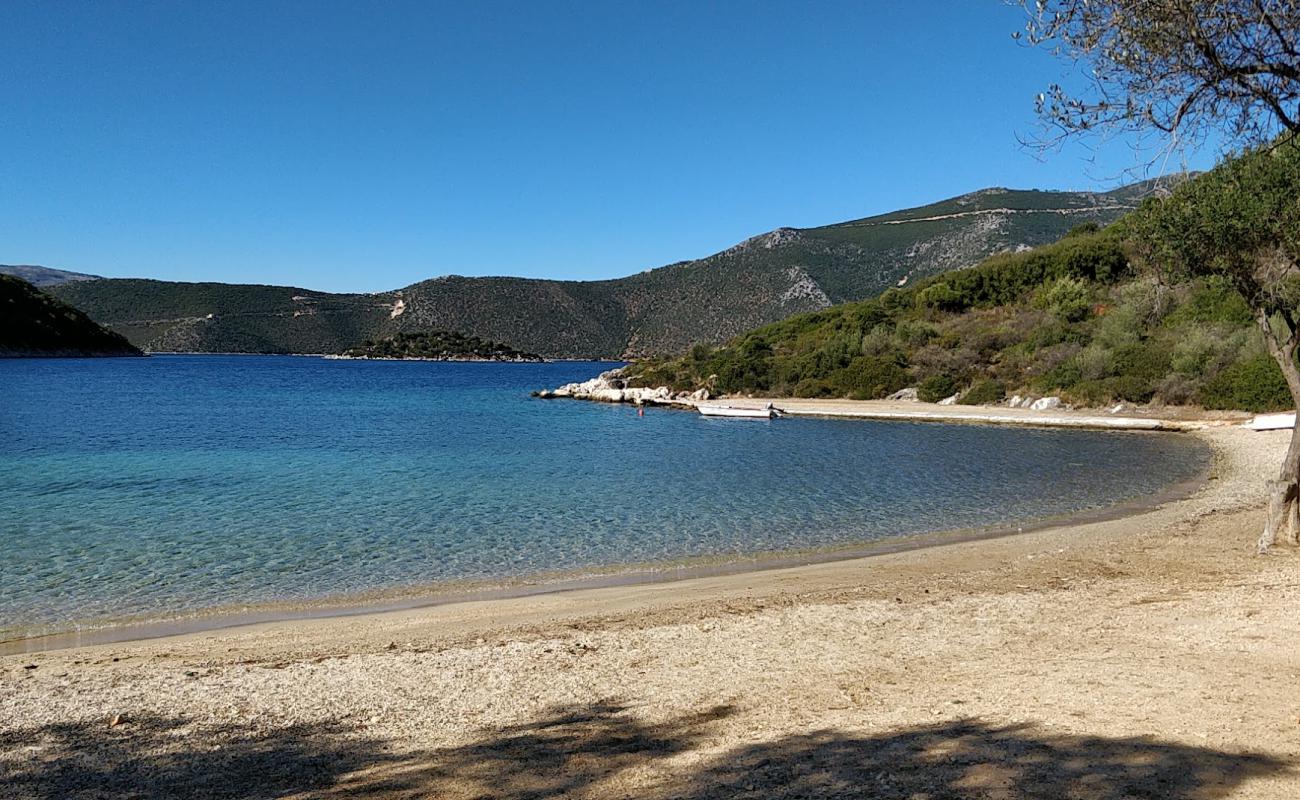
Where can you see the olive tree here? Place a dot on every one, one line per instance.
(1242, 221)
(1181, 69)
(1188, 70)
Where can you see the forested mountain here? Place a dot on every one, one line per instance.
(34, 324)
(660, 311)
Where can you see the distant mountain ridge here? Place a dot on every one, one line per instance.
(660, 311)
(44, 276)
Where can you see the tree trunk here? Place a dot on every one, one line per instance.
(1283, 522)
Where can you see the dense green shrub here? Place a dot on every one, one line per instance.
(1255, 384)
(984, 392)
(869, 378)
(1067, 297)
(813, 387)
(936, 388)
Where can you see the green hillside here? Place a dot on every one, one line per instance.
(1074, 318)
(661, 311)
(34, 324)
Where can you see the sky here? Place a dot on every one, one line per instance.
(366, 146)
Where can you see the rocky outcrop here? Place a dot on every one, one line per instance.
(611, 387)
(1036, 403)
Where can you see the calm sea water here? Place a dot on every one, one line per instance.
(143, 488)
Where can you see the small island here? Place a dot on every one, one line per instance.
(436, 346)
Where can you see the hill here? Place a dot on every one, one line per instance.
(660, 311)
(43, 276)
(1074, 319)
(437, 346)
(34, 324)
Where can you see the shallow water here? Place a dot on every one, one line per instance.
(147, 488)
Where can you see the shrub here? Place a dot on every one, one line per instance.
(1254, 384)
(812, 387)
(940, 297)
(914, 333)
(1176, 390)
(983, 393)
(936, 388)
(1213, 300)
(700, 352)
(1068, 298)
(1082, 229)
(868, 378)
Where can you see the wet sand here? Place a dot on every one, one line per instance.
(1152, 655)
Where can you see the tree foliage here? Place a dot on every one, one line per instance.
(1183, 68)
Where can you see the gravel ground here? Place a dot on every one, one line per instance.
(1150, 656)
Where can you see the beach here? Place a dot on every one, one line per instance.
(1149, 655)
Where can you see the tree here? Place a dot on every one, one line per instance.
(1186, 69)
(1180, 69)
(1242, 221)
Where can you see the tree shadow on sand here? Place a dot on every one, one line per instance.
(967, 759)
(607, 750)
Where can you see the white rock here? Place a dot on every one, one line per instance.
(907, 395)
(948, 401)
(1046, 403)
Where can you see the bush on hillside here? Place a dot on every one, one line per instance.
(1255, 384)
(985, 392)
(936, 388)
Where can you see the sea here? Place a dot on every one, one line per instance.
(177, 487)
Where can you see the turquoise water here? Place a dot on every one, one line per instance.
(146, 488)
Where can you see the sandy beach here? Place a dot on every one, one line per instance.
(1149, 656)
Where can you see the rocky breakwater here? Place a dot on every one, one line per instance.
(611, 387)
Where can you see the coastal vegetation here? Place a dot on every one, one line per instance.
(1189, 72)
(34, 324)
(1077, 318)
(438, 346)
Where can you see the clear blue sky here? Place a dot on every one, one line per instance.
(364, 146)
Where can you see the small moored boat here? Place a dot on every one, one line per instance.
(1272, 422)
(732, 411)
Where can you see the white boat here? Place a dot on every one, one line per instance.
(1272, 422)
(732, 411)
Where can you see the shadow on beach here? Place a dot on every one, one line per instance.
(604, 751)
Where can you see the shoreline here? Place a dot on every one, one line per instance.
(416, 599)
(1166, 419)
(453, 592)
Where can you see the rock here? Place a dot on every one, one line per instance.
(1046, 404)
(1118, 407)
(611, 387)
(948, 401)
(907, 395)
(699, 394)
(117, 719)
